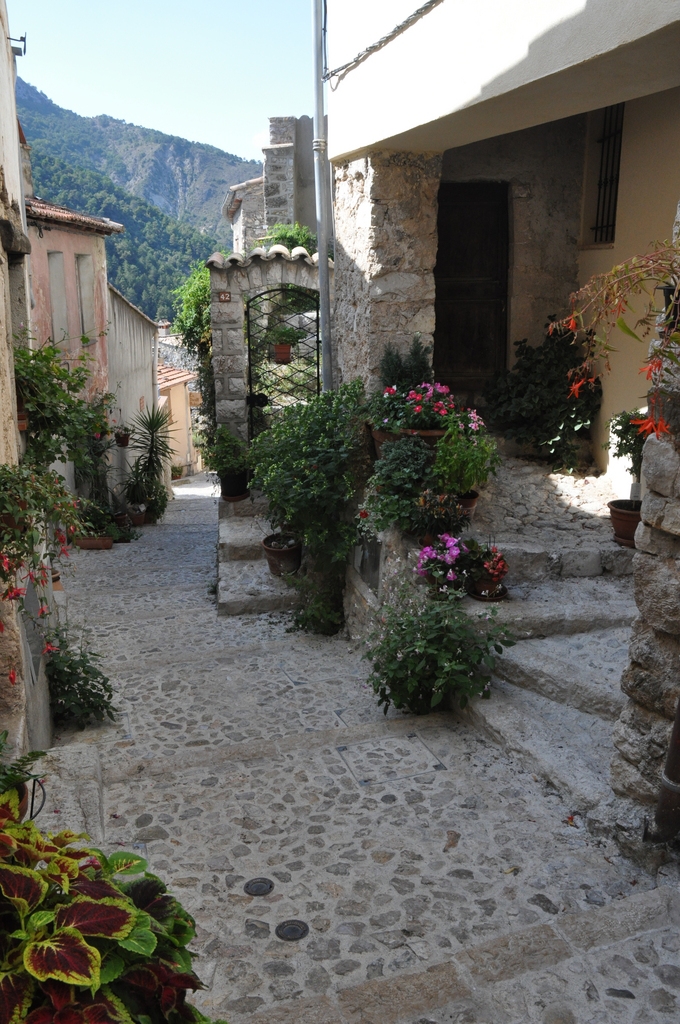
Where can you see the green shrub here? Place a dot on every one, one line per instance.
(95, 520)
(625, 439)
(531, 403)
(309, 467)
(79, 691)
(156, 500)
(227, 455)
(422, 654)
(151, 439)
(466, 455)
(397, 482)
(406, 372)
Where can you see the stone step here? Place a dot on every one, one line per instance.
(248, 588)
(240, 540)
(546, 557)
(562, 607)
(566, 747)
(582, 671)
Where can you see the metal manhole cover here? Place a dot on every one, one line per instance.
(292, 931)
(259, 886)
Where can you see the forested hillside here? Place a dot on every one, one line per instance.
(186, 180)
(155, 253)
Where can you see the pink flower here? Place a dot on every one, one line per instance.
(418, 408)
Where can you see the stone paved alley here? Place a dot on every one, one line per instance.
(441, 880)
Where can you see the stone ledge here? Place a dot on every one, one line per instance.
(249, 588)
(240, 539)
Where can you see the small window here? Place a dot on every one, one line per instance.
(603, 164)
(85, 278)
(55, 268)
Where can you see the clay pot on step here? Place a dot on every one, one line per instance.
(625, 515)
(468, 503)
(234, 486)
(283, 553)
(137, 518)
(94, 543)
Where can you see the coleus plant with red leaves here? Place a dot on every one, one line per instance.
(85, 938)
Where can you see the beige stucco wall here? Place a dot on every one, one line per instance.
(71, 243)
(467, 71)
(649, 192)
(180, 426)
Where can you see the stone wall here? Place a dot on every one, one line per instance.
(544, 169)
(652, 678)
(385, 252)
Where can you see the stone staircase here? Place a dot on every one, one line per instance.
(245, 585)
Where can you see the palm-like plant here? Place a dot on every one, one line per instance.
(151, 439)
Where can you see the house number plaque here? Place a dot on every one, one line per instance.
(224, 296)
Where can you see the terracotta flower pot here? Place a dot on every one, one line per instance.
(379, 438)
(94, 543)
(468, 503)
(625, 518)
(122, 440)
(282, 352)
(234, 486)
(137, 518)
(430, 437)
(282, 560)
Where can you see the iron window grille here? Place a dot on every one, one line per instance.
(608, 181)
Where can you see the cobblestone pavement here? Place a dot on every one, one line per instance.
(440, 880)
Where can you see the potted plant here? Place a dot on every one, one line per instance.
(625, 440)
(421, 410)
(466, 455)
(283, 553)
(122, 435)
(485, 568)
(135, 488)
(282, 338)
(96, 530)
(14, 778)
(395, 486)
(439, 563)
(177, 471)
(227, 456)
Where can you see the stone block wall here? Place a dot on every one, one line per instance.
(385, 252)
(652, 678)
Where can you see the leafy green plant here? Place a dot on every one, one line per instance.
(466, 454)
(136, 484)
(626, 440)
(79, 690)
(18, 771)
(227, 455)
(434, 513)
(406, 372)
(309, 466)
(95, 520)
(156, 500)
(151, 439)
(290, 235)
(87, 938)
(422, 654)
(36, 509)
(425, 407)
(397, 482)
(60, 422)
(533, 403)
(192, 321)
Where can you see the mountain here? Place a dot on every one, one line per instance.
(185, 180)
(156, 252)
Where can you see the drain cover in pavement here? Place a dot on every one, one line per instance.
(292, 931)
(390, 758)
(258, 886)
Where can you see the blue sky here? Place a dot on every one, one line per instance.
(207, 70)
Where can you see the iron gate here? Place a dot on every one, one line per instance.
(284, 352)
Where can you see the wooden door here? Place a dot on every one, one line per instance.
(471, 285)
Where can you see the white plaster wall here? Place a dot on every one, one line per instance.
(468, 71)
(130, 342)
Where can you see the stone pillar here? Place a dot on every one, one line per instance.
(652, 678)
(385, 252)
(229, 346)
(279, 172)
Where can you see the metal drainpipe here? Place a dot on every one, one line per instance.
(321, 182)
(667, 817)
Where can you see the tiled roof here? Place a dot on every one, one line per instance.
(170, 376)
(40, 210)
(219, 261)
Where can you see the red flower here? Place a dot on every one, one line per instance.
(572, 325)
(650, 425)
(48, 648)
(12, 676)
(418, 408)
(363, 514)
(43, 610)
(653, 366)
(14, 593)
(2, 627)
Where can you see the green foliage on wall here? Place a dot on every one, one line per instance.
(155, 253)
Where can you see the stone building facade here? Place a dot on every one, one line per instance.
(652, 678)
(284, 194)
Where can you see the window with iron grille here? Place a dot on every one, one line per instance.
(609, 142)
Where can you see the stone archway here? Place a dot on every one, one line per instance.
(233, 280)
